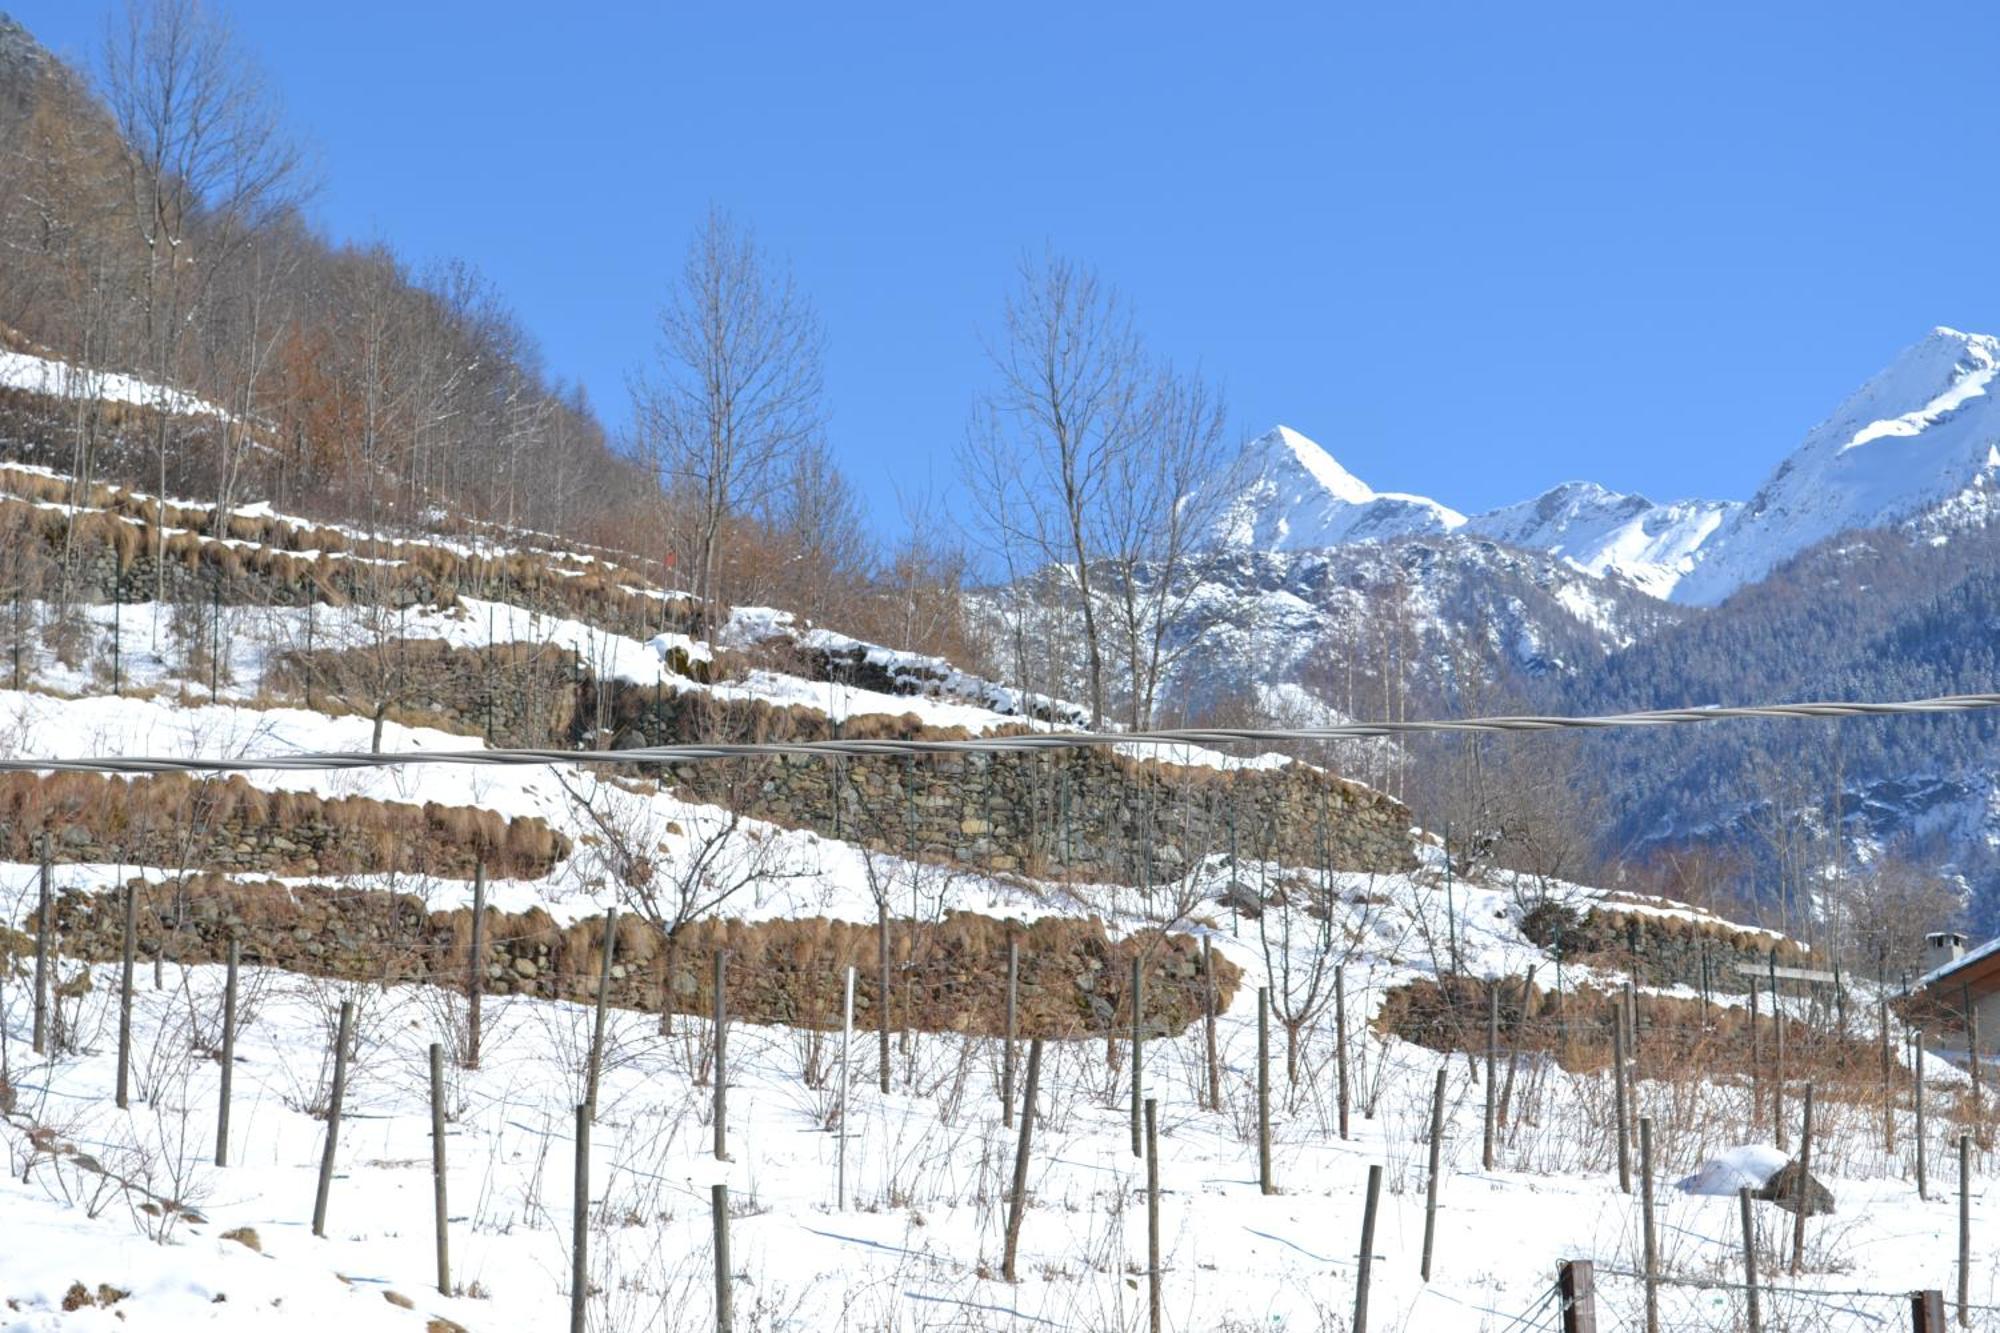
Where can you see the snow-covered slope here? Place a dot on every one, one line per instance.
(1293, 496)
(1606, 532)
(1919, 441)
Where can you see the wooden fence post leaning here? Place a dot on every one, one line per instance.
(327, 1154)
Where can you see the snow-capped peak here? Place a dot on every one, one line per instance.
(1921, 439)
(1602, 531)
(1320, 465)
(1290, 494)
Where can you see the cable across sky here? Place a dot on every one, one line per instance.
(1006, 743)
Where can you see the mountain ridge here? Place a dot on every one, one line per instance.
(1919, 441)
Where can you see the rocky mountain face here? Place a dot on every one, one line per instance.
(1864, 566)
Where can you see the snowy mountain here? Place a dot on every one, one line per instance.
(1604, 532)
(1918, 445)
(1919, 442)
(1291, 495)
(1294, 496)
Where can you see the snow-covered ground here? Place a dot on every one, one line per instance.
(919, 1242)
(916, 1242)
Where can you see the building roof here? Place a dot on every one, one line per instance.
(1985, 959)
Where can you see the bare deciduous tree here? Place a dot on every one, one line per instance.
(734, 391)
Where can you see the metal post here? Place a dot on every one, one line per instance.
(327, 1153)
(609, 947)
(1652, 1243)
(579, 1224)
(1340, 1042)
(443, 1213)
(1431, 1181)
(721, 1056)
(1017, 1198)
(475, 979)
(1264, 1092)
(1367, 1265)
(846, 1055)
(228, 1056)
(127, 952)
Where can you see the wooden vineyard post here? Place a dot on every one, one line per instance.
(127, 954)
(1756, 1062)
(1927, 1311)
(1917, 1059)
(1340, 1042)
(1805, 1176)
(475, 971)
(327, 1153)
(1431, 1179)
(1264, 1181)
(882, 989)
(1888, 1084)
(846, 1055)
(1972, 1055)
(579, 1224)
(1367, 1264)
(1749, 1220)
(228, 1055)
(596, 1071)
(1651, 1239)
(721, 1079)
(44, 930)
(1778, 1124)
(1965, 1230)
(718, 1210)
(1013, 1034)
(1622, 1105)
(1492, 1070)
(1153, 1215)
(1576, 1285)
(1138, 1056)
(1017, 1198)
(443, 1213)
(1208, 1024)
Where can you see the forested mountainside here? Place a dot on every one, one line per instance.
(171, 320)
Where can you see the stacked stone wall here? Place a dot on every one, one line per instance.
(945, 976)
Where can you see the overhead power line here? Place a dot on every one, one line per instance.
(1026, 742)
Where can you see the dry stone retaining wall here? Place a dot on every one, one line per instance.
(946, 976)
(228, 825)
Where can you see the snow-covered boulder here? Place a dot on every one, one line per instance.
(1748, 1167)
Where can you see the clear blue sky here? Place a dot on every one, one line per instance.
(1475, 249)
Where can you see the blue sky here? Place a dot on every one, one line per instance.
(1474, 249)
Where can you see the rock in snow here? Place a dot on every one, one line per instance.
(1748, 1167)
